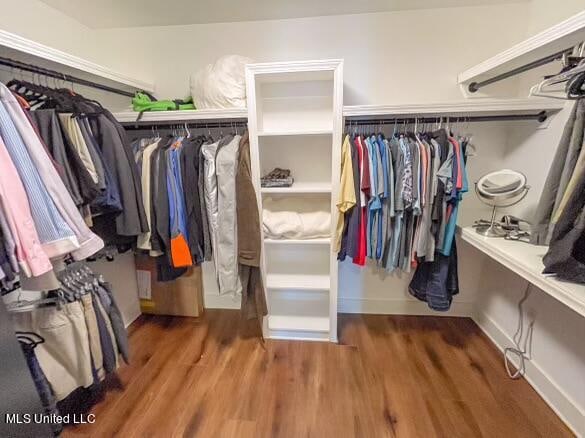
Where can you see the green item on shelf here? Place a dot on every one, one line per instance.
(141, 103)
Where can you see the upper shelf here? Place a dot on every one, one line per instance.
(552, 40)
(526, 261)
(476, 107)
(29, 47)
(175, 116)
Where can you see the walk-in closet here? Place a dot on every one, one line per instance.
(290, 219)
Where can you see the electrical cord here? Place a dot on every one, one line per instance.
(520, 352)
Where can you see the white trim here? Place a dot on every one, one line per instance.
(475, 107)
(25, 45)
(295, 66)
(170, 116)
(377, 306)
(571, 414)
(558, 37)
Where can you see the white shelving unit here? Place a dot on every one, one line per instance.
(526, 261)
(552, 40)
(295, 117)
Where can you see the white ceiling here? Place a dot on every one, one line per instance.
(134, 13)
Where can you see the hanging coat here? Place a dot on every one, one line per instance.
(559, 175)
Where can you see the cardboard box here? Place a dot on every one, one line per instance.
(181, 297)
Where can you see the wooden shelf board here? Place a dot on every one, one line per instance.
(298, 187)
(299, 323)
(298, 282)
(526, 260)
(180, 116)
(322, 241)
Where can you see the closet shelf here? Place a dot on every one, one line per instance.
(298, 188)
(526, 261)
(298, 323)
(552, 40)
(298, 282)
(29, 47)
(182, 116)
(322, 241)
(295, 132)
(476, 107)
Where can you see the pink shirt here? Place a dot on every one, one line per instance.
(15, 208)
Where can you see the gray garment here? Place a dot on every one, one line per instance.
(51, 133)
(208, 152)
(559, 175)
(226, 253)
(9, 243)
(423, 236)
(107, 298)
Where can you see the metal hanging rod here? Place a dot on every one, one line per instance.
(65, 77)
(474, 86)
(141, 126)
(540, 117)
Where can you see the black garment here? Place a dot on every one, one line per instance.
(49, 130)
(108, 202)
(161, 200)
(42, 384)
(436, 282)
(4, 262)
(352, 217)
(566, 252)
(190, 176)
(132, 221)
(165, 271)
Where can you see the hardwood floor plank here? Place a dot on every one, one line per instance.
(390, 376)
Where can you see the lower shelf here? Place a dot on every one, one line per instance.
(311, 328)
(298, 282)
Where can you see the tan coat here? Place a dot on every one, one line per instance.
(249, 246)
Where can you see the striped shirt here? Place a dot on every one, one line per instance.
(50, 225)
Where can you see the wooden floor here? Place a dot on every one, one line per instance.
(390, 376)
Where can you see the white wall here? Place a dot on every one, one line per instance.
(36, 21)
(394, 57)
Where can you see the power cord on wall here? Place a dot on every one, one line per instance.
(522, 353)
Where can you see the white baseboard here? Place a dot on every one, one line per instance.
(551, 393)
(215, 301)
(375, 306)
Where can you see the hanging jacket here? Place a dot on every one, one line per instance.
(559, 174)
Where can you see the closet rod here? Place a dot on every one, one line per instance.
(540, 117)
(474, 86)
(132, 126)
(65, 77)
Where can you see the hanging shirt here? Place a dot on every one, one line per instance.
(360, 259)
(143, 241)
(346, 199)
(180, 253)
(54, 233)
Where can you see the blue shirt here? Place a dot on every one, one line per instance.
(49, 223)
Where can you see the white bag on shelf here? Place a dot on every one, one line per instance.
(222, 84)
